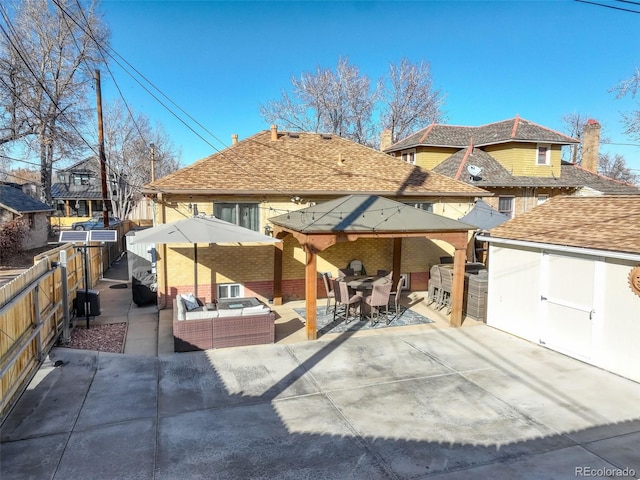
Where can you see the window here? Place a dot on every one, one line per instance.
(505, 205)
(244, 214)
(409, 157)
(426, 206)
(544, 155)
(230, 290)
(542, 199)
(81, 179)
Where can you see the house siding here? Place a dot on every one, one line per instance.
(429, 157)
(520, 159)
(252, 266)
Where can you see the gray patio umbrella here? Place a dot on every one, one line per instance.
(200, 229)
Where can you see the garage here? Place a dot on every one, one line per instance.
(562, 276)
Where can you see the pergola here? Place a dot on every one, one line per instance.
(349, 218)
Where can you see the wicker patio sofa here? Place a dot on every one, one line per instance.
(203, 328)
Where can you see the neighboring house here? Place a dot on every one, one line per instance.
(567, 275)
(272, 173)
(14, 203)
(517, 160)
(78, 191)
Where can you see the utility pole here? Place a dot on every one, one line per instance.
(103, 159)
(153, 161)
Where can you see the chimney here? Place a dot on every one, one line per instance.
(385, 139)
(234, 138)
(274, 133)
(590, 145)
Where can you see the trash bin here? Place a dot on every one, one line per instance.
(93, 299)
(144, 286)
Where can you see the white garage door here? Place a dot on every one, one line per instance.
(567, 294)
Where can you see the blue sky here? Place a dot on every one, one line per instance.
(220, 60)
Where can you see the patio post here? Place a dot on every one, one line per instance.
(277, 273)
(311, 274)
(397, 260)
(457, 289)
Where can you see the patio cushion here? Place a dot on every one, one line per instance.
(190, 302)
(201, 314)
(256, 310)
(181, 309)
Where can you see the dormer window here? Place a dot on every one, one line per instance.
(80, 179)
(544, 154)
(409, 157)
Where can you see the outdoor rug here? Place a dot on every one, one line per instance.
(327, 325)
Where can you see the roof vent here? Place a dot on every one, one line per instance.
(340, 159)
(326, 136)
(294, 135)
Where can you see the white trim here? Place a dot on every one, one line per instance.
(411, 152)
(229, 285)
(562, 248)
(547, 159)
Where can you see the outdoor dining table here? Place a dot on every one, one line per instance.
(363, 283)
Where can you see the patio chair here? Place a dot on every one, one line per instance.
(378, 299)
(433, 293)
(446, 287)
(345, 272)
(356, 266)
(382, 273)
(326, 279)
(347, 300)
(394, 298)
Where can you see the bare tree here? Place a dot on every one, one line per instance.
(615, 167)
(410, 100)
(346, 102)
(631, 120)
(48, 51)
(128, 140)
(573, 126)
(340, 102)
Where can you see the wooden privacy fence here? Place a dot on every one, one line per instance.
(33, 307)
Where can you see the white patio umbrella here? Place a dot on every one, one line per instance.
(200, 229)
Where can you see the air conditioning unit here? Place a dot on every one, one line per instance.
(406, 281)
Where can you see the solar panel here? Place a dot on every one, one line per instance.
(73, 236)
(103, 235)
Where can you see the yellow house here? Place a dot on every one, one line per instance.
(519, 161)
(272, 173)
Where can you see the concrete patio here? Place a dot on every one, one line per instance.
(462, 403)
(424, 401)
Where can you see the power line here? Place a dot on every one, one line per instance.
(609, 6)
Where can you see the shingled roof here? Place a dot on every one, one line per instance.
(493, 174)
(307, 164)
(513, 130)
(15, 200)
(610, 223)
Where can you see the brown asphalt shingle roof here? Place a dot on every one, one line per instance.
(307, 163)
(513, 130)
(604, 222)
